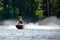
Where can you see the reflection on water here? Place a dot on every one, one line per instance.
(48, 23)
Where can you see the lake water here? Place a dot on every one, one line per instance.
(30, 34)
(47, 29)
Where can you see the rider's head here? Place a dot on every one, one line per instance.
(20, 18)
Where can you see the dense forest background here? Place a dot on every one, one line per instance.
(29, 9)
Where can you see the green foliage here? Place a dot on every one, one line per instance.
(32, 9)
(38, 1)
(39, 14)
(55, 10)
(17, 12)
(1, 12)
(39, 10)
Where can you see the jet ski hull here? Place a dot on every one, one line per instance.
(19, 26)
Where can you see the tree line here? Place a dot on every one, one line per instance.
(29, 9)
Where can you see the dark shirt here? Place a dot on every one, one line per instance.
(20, 22)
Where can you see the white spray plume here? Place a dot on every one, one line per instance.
(48, 23)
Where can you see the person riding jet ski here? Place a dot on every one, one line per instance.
(20, 24)
(20, 21)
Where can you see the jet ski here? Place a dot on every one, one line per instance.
(19, 26)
